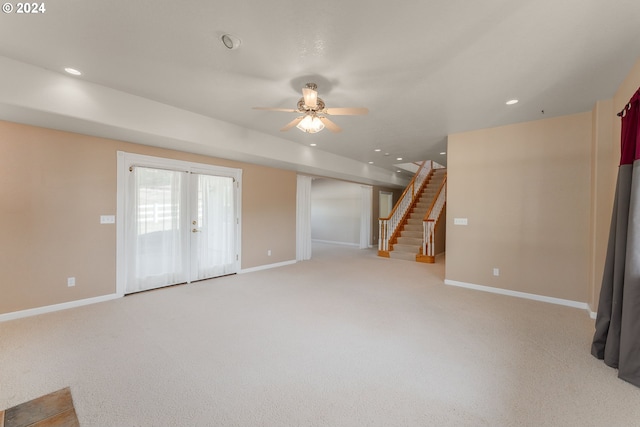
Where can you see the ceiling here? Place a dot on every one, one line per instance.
(425, 69)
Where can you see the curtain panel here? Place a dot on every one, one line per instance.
(303, 218)
(365, 216)
(617, 335)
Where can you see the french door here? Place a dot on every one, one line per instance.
(181, 222)
(213, 224)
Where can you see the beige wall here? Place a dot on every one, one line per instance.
(334, 199)
(55, 185)
(539, 198)
(525, 190)
(336, 211)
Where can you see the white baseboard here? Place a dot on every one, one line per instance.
(357, 245)
(56, 307)
(266, 267)
(525, 295)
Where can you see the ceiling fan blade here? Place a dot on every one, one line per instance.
(291, 124)
(330, 125)
(346, 111)
(285, 110)
(310, 97)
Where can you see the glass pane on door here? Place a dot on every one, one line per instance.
(213, 235)
(155, 231)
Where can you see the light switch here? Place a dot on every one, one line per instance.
(460, 221)
(107, 219)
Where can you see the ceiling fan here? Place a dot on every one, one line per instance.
(313, 112)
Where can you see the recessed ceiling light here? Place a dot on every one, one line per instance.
(398, 171)
(230, 41)
(386, 154)
(399, 158)
(443, 153)
(313, 145)
(73, 71)
(512, 101)
(370, 163)
(377, 150)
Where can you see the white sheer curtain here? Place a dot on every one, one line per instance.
(303, 218)
(365, 216)
(215, 239)
(155, 240)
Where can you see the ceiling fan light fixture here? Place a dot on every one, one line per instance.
(310, 124)
(310, 97)
(309, 106)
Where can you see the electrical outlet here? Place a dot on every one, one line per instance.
(71, 281)
(269, 252)
(496, 271)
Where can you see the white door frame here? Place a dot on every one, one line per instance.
(125, 161)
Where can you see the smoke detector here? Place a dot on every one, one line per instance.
(230, 41)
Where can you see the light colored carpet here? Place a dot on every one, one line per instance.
(346, 339)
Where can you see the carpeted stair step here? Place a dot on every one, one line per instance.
(402, 255)
(414, 227)
(415, 221)
(418, 214)
(413, 234)
(399, 247)
(413, 241)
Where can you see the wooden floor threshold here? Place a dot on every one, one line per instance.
(52, 410)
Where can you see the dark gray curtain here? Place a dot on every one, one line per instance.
(617, 336)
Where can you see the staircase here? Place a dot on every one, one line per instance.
(410, 231)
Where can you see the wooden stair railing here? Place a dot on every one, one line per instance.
(430, 222)
(390, 226)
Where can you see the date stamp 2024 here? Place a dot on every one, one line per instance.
(24, 8)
